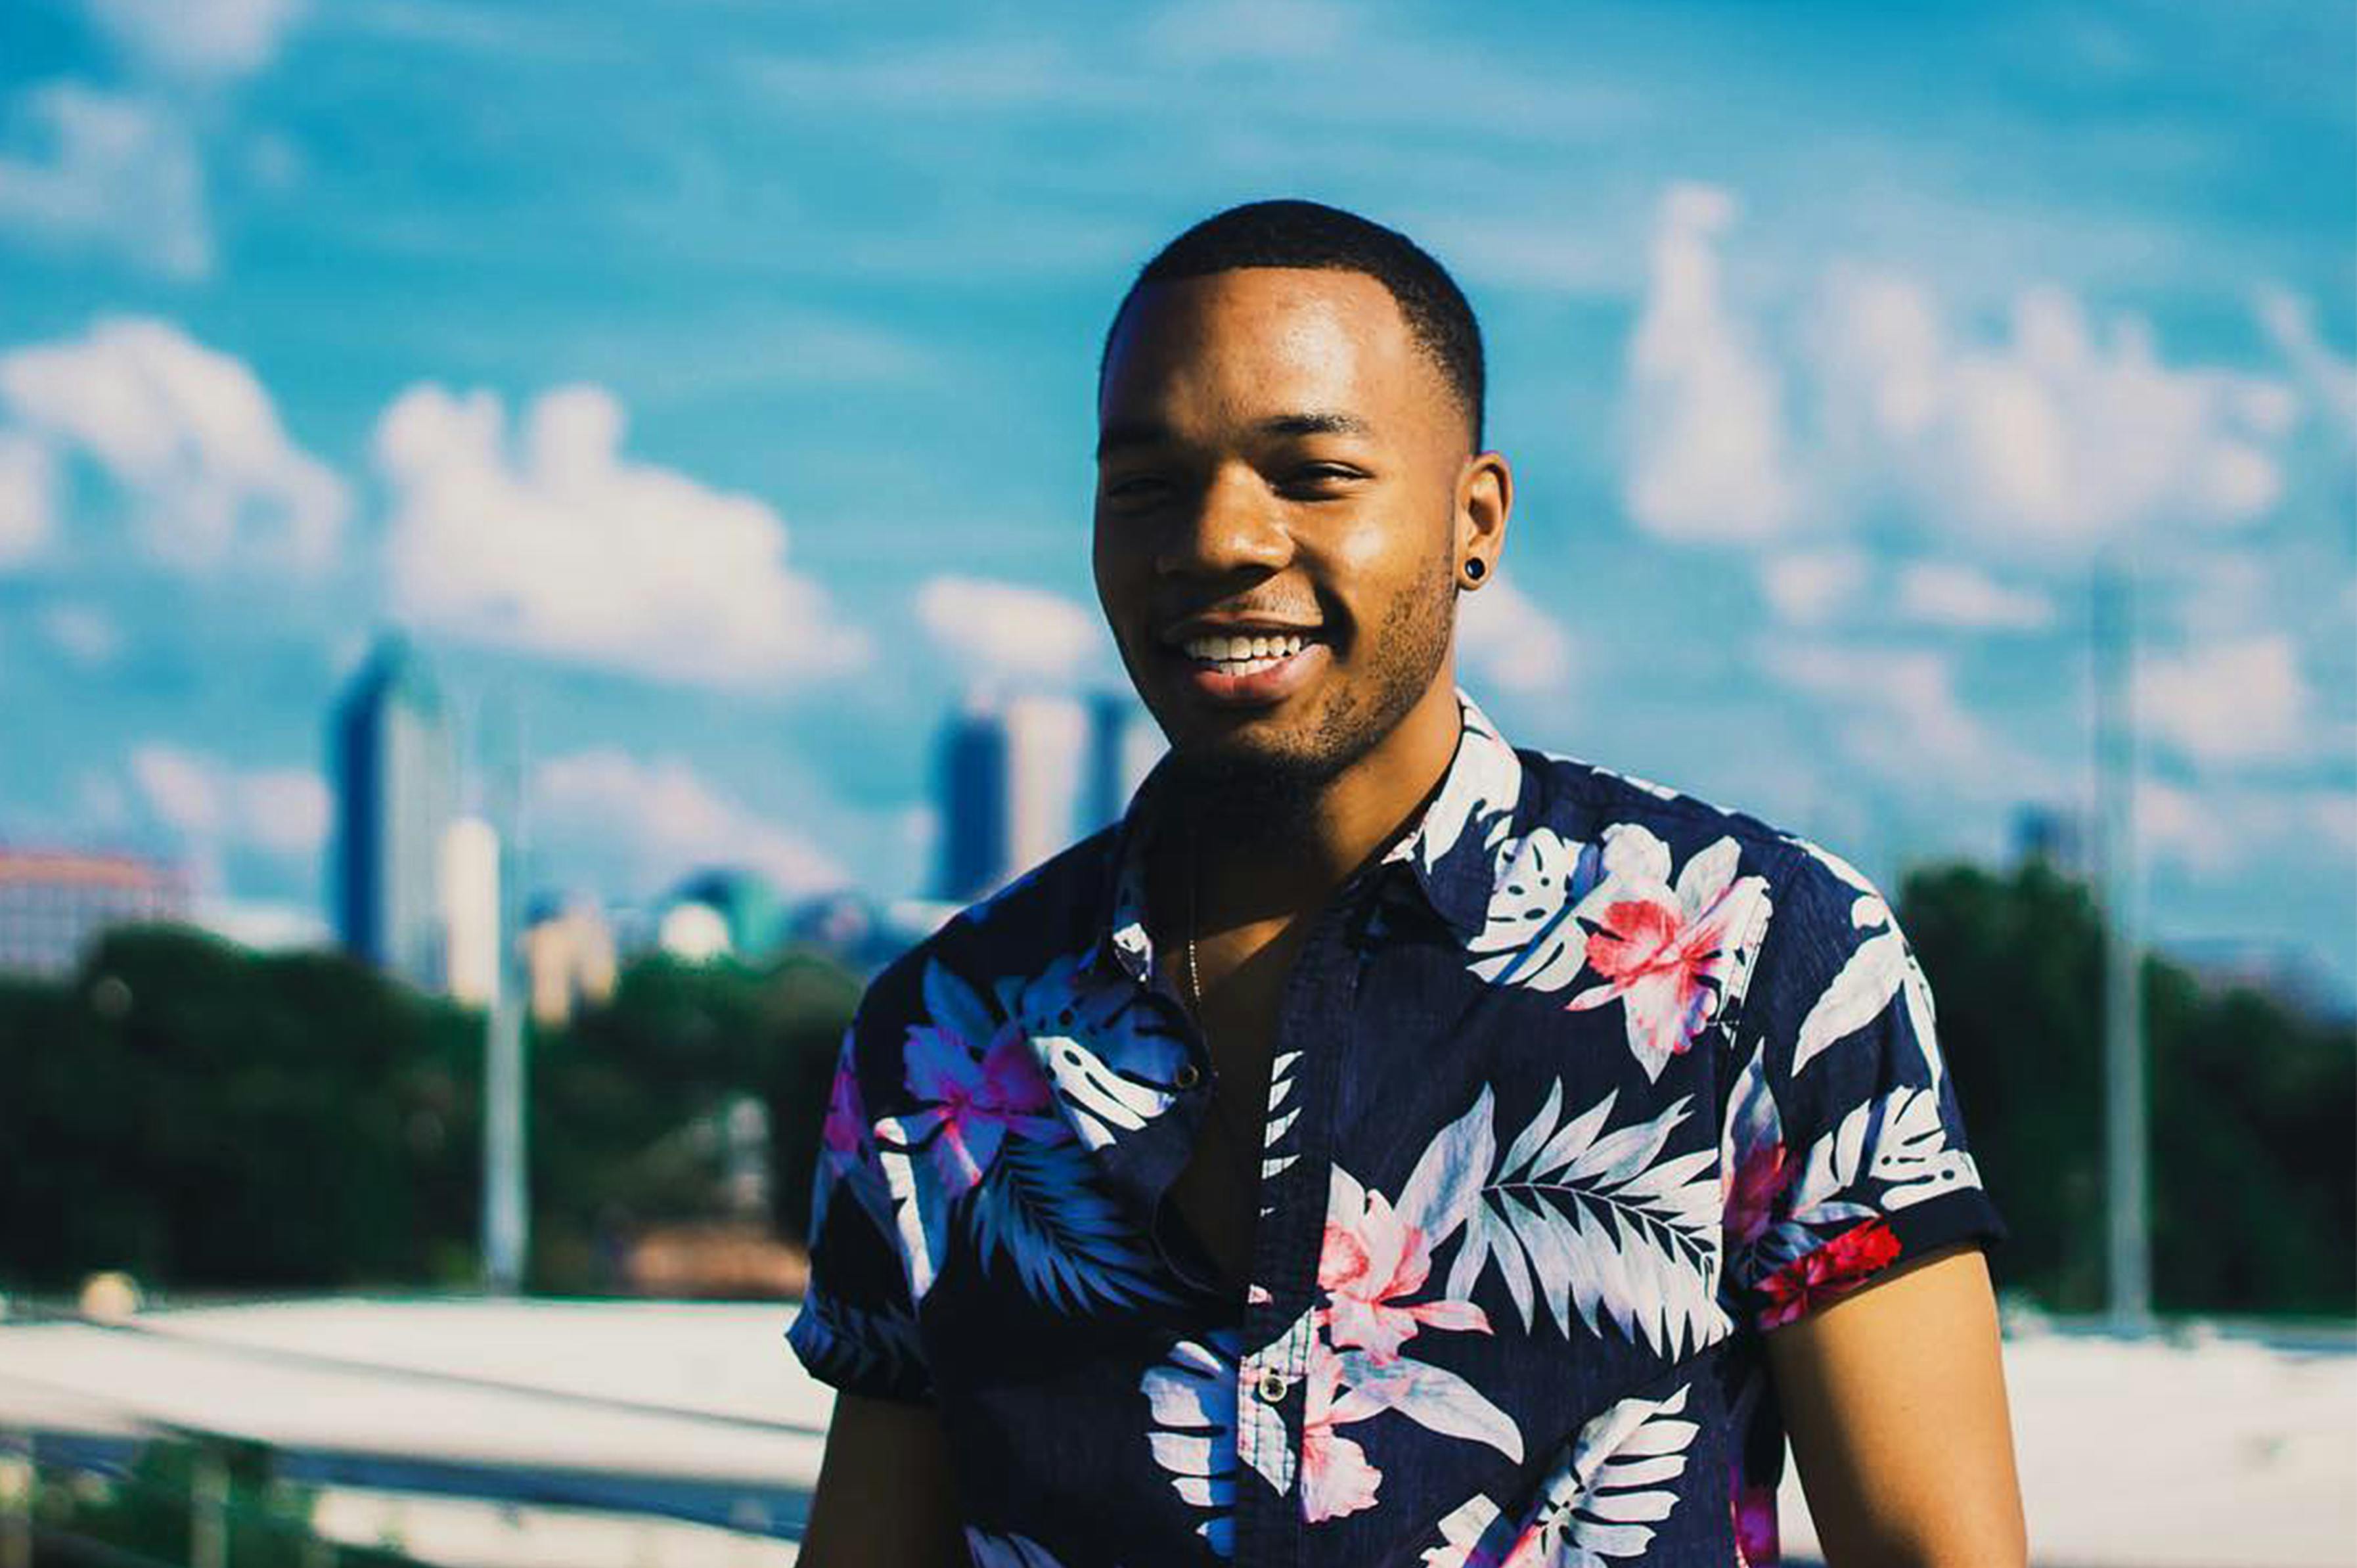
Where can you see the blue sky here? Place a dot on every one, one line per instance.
(708, 385)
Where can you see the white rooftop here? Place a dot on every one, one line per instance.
(2134, 1454)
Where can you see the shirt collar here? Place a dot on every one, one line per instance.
(1475, 802)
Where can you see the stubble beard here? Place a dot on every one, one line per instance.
(1248, 799)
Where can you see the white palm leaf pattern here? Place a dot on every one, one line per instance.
(1275, 1157)
(1191, 1396)
(1596, 1222)
(1006, 1550)
(1529, 937)
(1613, 1490)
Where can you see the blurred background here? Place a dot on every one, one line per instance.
(540, 545)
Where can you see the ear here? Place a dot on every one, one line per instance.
(1485, 494)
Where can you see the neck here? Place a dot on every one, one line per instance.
(1269, 859)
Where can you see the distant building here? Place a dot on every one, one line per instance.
(394, 777)
(470, 886)
(746, 904)
(693, 932)
(1013, 782)
(2057, 836)
(568, 962)
(54, 903)
(1124, 746)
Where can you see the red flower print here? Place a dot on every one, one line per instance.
(1830, 1271)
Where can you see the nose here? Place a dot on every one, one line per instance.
(1235, 527)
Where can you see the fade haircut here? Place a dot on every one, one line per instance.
(1311, 235)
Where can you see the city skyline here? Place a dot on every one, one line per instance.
(726, 447)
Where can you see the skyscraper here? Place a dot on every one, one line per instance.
(1012, 784)
(393, 764)
(55, 903)
(1123, 746)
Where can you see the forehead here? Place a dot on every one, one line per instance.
(1258, 339)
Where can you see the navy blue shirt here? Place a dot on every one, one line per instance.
(1579, 1090)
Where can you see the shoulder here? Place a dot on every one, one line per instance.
(1809, 896)
(963, 976)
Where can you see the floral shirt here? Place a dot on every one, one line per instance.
(1579, 1091)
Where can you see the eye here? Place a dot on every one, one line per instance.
(1136, 487)
(1320, 479)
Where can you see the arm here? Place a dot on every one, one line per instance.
(884, 1497)
(1894, 1397)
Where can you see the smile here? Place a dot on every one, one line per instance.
(1253, 670)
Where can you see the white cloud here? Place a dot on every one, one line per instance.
(2059, 435)
(1707, 443)
(1222, 31)
(2330, 380)
(180, 788)
(1810, 587)
(215, 40)
(82, 632)
(1506, 636)
(557, 544)
(1937, 592)
(1894, 713)
(1009, 629)
(2218, 828)
(281, 811)
(2242, 700)
(188, 434)
(28, 510)
(669, 822)
(107, 171)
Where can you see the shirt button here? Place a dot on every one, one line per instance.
(1272, 1387)
(1186, 1076)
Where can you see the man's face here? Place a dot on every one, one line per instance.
(1277, 460)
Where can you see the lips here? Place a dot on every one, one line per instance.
(1248, 667)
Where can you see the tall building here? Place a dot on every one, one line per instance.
(54, 903)
(1013, 781)
(1123, 746)
(471, 912)
(395, 787)
(569, 959)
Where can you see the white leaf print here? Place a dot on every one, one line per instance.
(1462, 1531)
(1602, 1503)
(1191, 1394)
(1608, 1226)
(1529, 937)
(1006, 1550)
(1434, 1397)
(1856, 996)
(1633, 852)
(1102, 1103)
(1274, 1159)
(1912, 1153)
(1446, 1182)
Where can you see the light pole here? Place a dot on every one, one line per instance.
(2128, 1274)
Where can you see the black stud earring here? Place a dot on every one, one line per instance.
(1473, 570)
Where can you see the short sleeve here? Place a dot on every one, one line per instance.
(857, 1329)
(1845, 1148)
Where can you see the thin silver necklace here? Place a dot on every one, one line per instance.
(1247, 1151)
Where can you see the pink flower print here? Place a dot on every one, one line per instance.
(975, 1101)
(1370, 1259)
(1665, 954)
(1752, 1190)
(1336, 1477)
(1756, 1543)
(845, 1125)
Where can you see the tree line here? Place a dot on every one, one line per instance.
(211, 1119)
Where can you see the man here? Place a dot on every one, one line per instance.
(1385, 1145)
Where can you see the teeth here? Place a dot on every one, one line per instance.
(1246, 653)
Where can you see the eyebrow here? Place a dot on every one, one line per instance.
(1147, 433)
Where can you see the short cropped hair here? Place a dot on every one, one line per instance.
(1311, 235)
